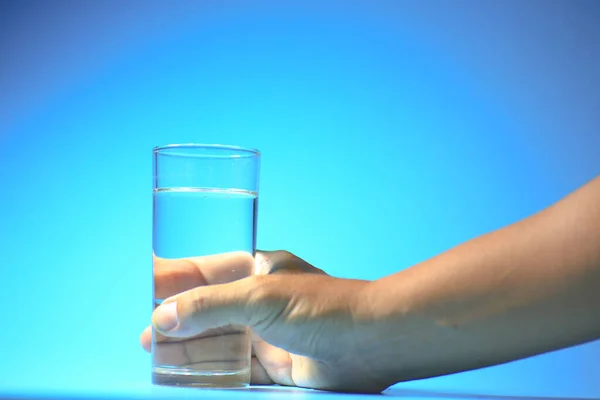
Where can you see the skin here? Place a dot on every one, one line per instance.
(526, 289)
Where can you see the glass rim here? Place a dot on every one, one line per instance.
(239, 151)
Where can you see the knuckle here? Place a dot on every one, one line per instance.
(261, 288)
(269, 261)
(285, 255)
(266, 301)
(199, 302)
(281, 261)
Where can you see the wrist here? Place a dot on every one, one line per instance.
(401, 338)
(379, 313)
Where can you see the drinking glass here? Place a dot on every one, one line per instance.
(205, 203)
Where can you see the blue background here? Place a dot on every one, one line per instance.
(390, 131)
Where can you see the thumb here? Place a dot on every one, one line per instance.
(197, 310)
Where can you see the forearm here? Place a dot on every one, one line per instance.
(529, 288)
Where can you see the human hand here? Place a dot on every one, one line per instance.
(304, 327)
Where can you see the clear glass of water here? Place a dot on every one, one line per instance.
(205, 203)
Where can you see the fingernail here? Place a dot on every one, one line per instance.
(165, 316)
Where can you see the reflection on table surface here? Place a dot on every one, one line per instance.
(255, 392)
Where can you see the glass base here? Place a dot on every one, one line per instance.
(204, 379)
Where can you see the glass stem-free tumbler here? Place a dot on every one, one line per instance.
(205, 203)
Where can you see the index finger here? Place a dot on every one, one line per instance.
(172, 276)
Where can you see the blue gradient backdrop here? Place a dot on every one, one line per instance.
(390, 131)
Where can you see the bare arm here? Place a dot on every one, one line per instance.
(529, 288)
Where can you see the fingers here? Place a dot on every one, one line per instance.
(230, 348)
(189, 352)
(146, 339)
(146, 336)
(276, 362)
(258, 374)
(205, 307)
(202, 293)
(172, 276)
